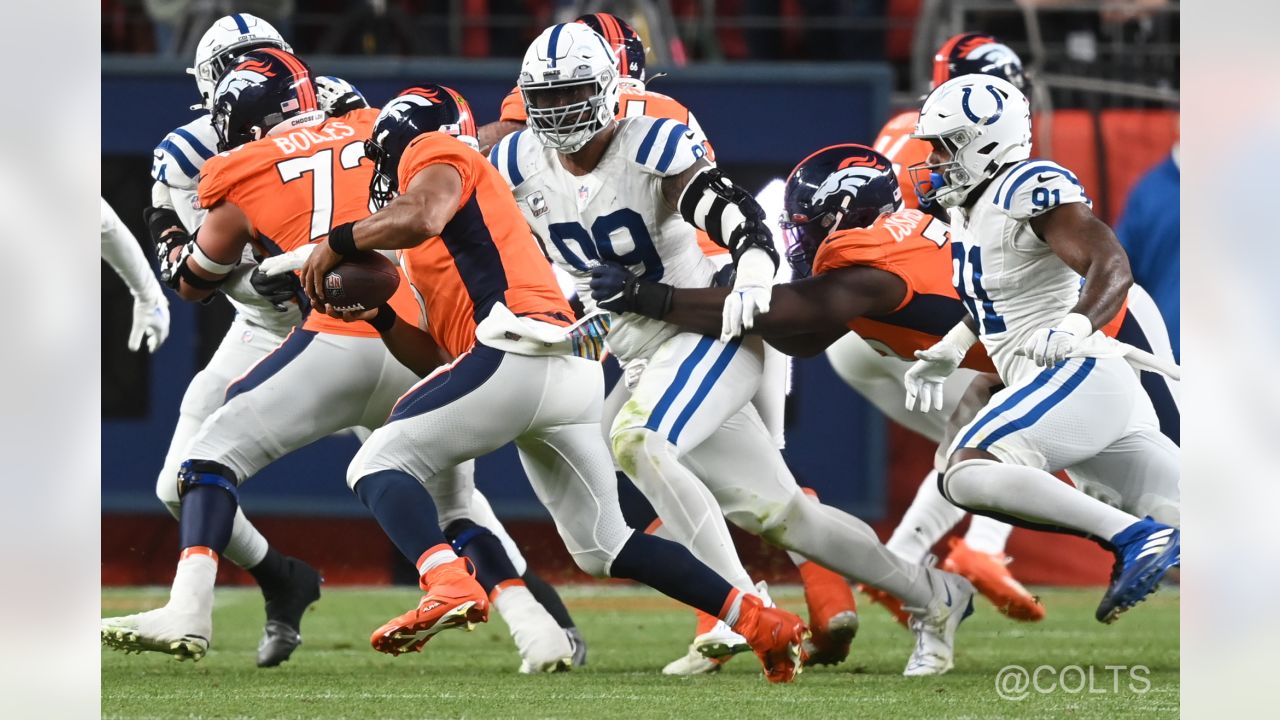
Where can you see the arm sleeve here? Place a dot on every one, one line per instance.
(1036, 187)
(121, 250)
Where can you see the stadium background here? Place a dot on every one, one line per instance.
(769, 82)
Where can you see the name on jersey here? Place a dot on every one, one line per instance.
(302, 140)
(901, 224)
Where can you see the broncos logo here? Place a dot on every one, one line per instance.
(241, 77)
(852, 175)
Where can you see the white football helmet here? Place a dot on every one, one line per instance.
(224, 41)
(984, 122)
(569, 80)
(337, 97)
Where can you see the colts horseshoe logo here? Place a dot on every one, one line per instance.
(964, 104)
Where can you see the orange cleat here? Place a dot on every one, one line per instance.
(890, 603)
(833, 614)
(990, 575)
(454, 600)
(777, 636)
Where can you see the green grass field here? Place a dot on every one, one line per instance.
(632, 633)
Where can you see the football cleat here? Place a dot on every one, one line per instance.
(185, 635)
(285, 606)
(579, 645)
(454, 600)
(833, 616)
(1145, 552)
(990, 575)
(716, 640)
(776, 636)
(543, 645)
(935, 626)
(694, 663)
(890, 603)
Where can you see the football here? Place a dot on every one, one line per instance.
(361, 282)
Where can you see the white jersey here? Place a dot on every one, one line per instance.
(615, 213)
(175, 166)
(1009, 279)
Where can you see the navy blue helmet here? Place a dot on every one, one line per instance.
(978, 54)
(420, 109)
(835, 188)
(260, 90)
(624, 40)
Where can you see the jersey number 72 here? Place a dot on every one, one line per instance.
(320, 166)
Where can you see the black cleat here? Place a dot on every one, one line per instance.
(285, 605)
(579, 645)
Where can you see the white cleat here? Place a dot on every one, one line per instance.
(935, 626)
(185, 635)
(721, 642)
(543, 645)
(693, 663)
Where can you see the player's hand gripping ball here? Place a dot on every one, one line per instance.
(360, 282)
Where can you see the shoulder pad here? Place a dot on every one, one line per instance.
(511, 156)
(661, 146)
(177, 160)
(1033, 187)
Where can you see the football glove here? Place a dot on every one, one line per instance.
(926, 378)
(615, 289)
(150, 323)
(752, 291)
(1049, 346)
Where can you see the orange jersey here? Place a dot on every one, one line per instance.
(632, 103)
(485, 255)
(895, 142)
(295, 187)
(916, 247)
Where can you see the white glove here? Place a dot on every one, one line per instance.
(150, 321)
(926, 378)
(287, 262)
(752, 290)
(1049, 346)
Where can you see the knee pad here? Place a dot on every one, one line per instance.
(462, 532)
(168, 492)
(945, 482)
(197, 473)
(770, 520)
(629, 445)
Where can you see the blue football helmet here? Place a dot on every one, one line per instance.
(624, 40)
(835, 188)
(978, 54)
(420, 109)
(260, 91)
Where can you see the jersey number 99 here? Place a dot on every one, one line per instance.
(599, 245)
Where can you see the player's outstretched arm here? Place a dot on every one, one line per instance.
(416, 215)
(1089, 247)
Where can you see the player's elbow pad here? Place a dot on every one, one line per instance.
(729, 214)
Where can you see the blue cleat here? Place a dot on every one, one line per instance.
(1144, 553)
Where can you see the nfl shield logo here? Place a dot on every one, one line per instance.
(584, 192)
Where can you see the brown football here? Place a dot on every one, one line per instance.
(361, 282)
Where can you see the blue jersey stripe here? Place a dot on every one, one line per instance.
(180, 157)
(1009, 175)
(195, 143)
(647, 144)
(240, 23)
(493, 155)
(1033, 416)
(722, 362)
(1022, 179)
(669, 150)
(682, 377)
(513, 162)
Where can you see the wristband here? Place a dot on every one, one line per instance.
(960, 336)
(342, 239)
(1076, 324)
(384, 319)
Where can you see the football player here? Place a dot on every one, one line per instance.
(833, 618)
(631, 192)
(1023, 238)
(150, 307)
(257, 196)
(493, 304)
(266, 311)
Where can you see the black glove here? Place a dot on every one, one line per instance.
(277, 289)
(165, 229)
(615, 289)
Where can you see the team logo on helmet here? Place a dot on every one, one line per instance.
(973, 117)
(852, 176)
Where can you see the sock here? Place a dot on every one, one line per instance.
(208, 511)
(987, 535)
(671, 570)
(404, 510)
(272, 572)
(492, 564)
(434, 557)
(247, 546)
(1032, 497)
(192, 589)
(729, 611)
(929, 518)
(548, 598)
